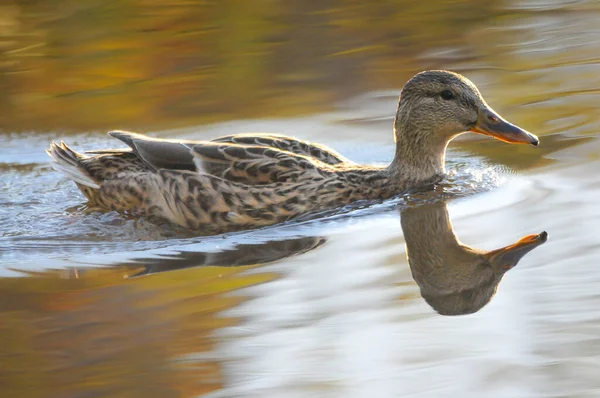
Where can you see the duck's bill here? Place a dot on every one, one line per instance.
(509, 256)
(490, 123)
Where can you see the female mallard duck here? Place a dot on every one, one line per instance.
(252, 180)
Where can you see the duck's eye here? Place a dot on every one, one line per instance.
(447, 95)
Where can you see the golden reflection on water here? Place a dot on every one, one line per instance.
(117, 337)
(122, 331)
(133, 63)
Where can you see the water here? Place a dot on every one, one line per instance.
(98, 304)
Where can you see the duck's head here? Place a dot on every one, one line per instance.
(439, 105)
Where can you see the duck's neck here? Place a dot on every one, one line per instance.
(420, 155)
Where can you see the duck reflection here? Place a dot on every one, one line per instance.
(455, 279)
(240, 255)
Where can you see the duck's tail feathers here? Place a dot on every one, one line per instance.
(66, 161)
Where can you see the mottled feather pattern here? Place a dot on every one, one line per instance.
(252, 164)
(212, 204)
(234, 186)
(289, 144)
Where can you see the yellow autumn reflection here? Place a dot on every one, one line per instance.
(78, 65)
(96, 330)
(135, 329)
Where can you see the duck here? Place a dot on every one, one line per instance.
(455, 278)
(252, 180)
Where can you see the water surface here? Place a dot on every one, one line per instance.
(98, 304)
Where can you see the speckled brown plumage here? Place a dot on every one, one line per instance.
(289, 144)
(252, 180)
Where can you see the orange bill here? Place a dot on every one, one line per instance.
(492, 124)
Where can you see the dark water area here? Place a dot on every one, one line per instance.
(387, 299)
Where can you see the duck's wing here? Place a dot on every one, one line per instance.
(240, 162)
(289, 144)
(174, 154)
(157, 153)
(253, 165)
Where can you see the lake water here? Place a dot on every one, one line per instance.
(100, 305)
